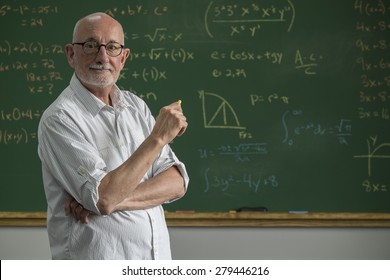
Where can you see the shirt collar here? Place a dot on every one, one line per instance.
(91, 102)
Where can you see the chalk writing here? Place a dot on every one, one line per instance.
(370, 82)
(382, 96)
(382, 26)
(18, 114)
(45, 88)
(160, 34)
(248, 19)
(32, 48)
(240, 153)
(50, 76)
(379, 113)
(364, 46)
(18, 65)
(307, 62)
(382, 64)
(156, 54)
(270, 98)
(236, 55)
(376, 187)
(137, 10)
(342, 130)
(371, 8)
(225, 183)
(25, 9)
(20, 136)
(152, 74)
(229, 73)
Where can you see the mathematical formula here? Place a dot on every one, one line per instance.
(240, 152)
(17, 136)
(341, 130)
(226, 183)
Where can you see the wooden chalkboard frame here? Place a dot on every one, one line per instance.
(219, 219)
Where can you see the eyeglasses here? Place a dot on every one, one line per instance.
(93, 47)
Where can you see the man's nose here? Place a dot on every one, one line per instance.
(102, 54)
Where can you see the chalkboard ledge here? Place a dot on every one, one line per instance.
(219, 219)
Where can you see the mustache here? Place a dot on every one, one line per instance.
(100, 67)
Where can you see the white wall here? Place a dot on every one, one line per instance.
(233, 243)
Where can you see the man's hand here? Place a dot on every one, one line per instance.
(76, 210)
(170, 123)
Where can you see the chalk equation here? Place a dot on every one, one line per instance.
(372, 8)
(137, 10)
(243, 152)
(270, 98)
(18, 65)
(374, 187)
(227, 183)
(30, 16)
(19, 136)
(371, 82)
(273, 57)
(149, 74)
(179, 55)
(159, 35)
(365, 65)
(247, 19)
(18, 114)
(376, 151)
(306, 61)
(378, 45)
(25, 9)
(382, 26)
(32, 48)
(342, 130)
(379, 113)
(382, 96)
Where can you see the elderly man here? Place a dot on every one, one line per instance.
(106, 163)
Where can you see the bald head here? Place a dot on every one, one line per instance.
(96, 21)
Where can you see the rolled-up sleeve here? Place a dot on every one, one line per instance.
(168, 159)
(72, 162)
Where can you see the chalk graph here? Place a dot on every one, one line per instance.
(375, 151)
(217, 112)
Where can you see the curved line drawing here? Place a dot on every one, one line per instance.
(224, 109)
(285, 126)
(293, 15)
(205, 19)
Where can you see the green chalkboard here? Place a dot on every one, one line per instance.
(287, 101)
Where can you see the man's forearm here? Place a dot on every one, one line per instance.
(166, 186)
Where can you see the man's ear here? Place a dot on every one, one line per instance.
(69, 54)
(126, 54)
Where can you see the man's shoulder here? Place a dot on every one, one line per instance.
(64, 105)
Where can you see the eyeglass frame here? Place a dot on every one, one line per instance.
(99, 46)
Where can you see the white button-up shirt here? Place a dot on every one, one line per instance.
(80, 140)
